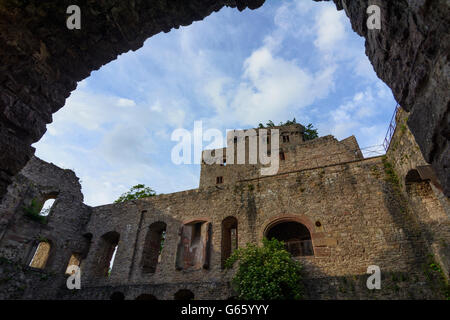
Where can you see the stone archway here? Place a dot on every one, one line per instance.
(41, 61)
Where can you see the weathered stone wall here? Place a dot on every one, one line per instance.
(427, 205)
(297, 155)
(63, 227)
(362, 224)
(359, 212)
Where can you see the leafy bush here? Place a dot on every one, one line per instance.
(136, 192)
(266, 273)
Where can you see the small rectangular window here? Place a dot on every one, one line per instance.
(282, 157)
(285, 138)
(219, 180)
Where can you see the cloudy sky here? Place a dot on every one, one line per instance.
(232, 70)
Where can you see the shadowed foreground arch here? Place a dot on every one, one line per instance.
(41, 61)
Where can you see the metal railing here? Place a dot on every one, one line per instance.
(391, 130)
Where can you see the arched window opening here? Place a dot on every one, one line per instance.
(295, 235)
(47, 207)
(184, 294)
(154, 243)
(194, 246)
(117, 296)
(41, 255)
(412, 176)
(75, 260)
(48, 202)
(229, 238)
(106, 253)
(146, 296)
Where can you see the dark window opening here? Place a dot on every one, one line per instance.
(285, 138)
(154, 243)
(146, 297)
(219, 180)
(117, 296)
(106, 253)
(295, 236)
(282, 156)
(229, 238)
(184, 294)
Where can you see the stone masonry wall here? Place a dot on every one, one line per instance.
(427, 204)
(356, 212)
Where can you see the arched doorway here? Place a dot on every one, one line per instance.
(146, 296)
(184, 294)
(295, 235)
(117, 296)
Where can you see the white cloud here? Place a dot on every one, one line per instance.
(330, 25)
(126, 102)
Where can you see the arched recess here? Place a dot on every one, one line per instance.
(194, 245)
(48, 200)
(154, 242)
(184, 294)
(146, 296)
(229, 238)
(295, 235)
(41, 255)
(117, 296)
(107, 246)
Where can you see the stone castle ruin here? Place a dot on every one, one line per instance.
(337, 212)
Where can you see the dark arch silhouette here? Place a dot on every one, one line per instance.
(108, 243)
(117, 296)
(412, 176)
(229, 238)
(295, 235)
(154, 241)
(184, 294)
(146, 296)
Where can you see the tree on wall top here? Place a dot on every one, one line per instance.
(266, 273)
(136, 192)
(309, 134)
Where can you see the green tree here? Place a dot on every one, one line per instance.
(136, 192)
(266, 273)
(310, 132)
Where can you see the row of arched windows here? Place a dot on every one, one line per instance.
(193, 249)
(183, 294)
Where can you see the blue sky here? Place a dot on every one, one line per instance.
(232, 70)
